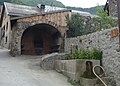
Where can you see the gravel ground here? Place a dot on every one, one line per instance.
(25, 71)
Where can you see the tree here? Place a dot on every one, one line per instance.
(35, 2)
(103, 21)
(2, 1)
(75, 24)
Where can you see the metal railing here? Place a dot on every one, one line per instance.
(98, 75)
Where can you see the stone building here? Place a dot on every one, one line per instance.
(111, 7)
(0, 9)
(33, 30)
(0, 13)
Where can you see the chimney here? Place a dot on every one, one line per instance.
(42, 7)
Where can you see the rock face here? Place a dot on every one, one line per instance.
(109, 45)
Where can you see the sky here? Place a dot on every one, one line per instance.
(83, 3)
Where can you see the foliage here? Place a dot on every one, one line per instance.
(73, 82)
(91, 10)
(35, 2)
(17, 1)
(75, 24)
(96, 53)
(85, 54)
(79, 25)
(2, 1)
(104, 21)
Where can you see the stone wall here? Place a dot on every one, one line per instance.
(108, 44)
(48, 60)
(6, 30)
(113, 8)
(74, 69)
(100, 39)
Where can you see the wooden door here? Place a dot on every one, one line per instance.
(27, 45)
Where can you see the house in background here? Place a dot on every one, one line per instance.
(33, 30)
(111, 7)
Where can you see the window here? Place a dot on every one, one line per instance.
(6, 40)
(7, 26)
(3, 32)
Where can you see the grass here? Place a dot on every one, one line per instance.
(73, 82)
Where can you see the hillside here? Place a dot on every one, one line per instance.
(35, 2)
(91, 10)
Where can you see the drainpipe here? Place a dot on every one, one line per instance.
(118, 10)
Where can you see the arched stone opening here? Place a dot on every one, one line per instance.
(40, 39)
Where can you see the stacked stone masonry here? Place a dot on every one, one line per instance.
(108, 44)
(113, 8)
(25, 23)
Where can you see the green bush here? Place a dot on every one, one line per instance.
(96, 53)
(73, 82)
(85, 54)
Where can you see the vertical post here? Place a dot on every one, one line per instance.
(118, 10)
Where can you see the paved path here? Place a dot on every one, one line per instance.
(25, 71)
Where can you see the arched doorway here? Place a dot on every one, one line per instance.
(40, 39)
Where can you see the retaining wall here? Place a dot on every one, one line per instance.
(107, 42)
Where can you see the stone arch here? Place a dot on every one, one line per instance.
(42, 38)
(23, 26)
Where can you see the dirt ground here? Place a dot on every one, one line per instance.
(25, 71)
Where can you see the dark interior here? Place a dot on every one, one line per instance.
(40, 39)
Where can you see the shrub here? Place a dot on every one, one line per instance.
(96, 54)
(85, 54)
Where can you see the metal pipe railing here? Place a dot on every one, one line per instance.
(99, 76)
